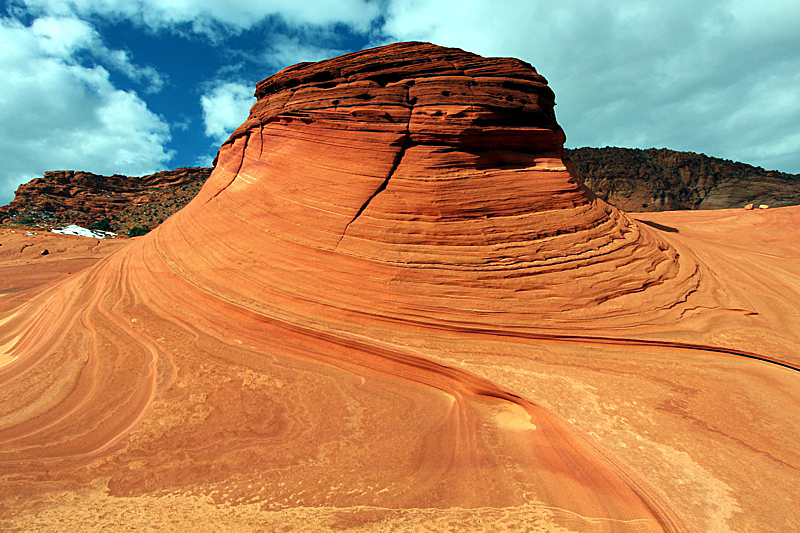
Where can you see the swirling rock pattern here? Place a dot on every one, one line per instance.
(392, 305)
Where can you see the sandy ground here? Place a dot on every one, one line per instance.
(22, 264)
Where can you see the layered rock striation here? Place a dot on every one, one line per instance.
(436, 173)
(392, 303)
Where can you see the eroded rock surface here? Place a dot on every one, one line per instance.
(393, 305)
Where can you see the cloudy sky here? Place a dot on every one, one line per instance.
(132, 87)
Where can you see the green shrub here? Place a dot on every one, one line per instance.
(102, 225)
(136, 231)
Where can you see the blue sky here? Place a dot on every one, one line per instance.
(133, 87)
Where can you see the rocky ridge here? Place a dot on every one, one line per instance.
(665, 180)
(83, 198)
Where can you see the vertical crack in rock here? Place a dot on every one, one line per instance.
(382, 187)
(236, 173)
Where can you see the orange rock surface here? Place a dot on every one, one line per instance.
(393, 307)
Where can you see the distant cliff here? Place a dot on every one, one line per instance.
(116, 202)
(665, 180)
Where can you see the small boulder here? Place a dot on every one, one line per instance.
(749, 207)
(763, 206)
(45, 252)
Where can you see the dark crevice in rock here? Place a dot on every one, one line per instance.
(234, 173)
(404, 144)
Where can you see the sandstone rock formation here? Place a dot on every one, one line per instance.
(665, 180)
(393, 305)
(83, 198)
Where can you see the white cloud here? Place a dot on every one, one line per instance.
(57, 113)
(718, 77)
(283, 51)
(62, 37)
(225, 106)
(120, 60)
(211, 16)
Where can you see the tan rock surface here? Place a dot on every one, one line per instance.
(392, 307)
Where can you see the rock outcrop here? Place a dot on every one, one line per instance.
(665, 180)
(83, 198)
(394, 304)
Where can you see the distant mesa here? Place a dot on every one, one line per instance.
(360, 319)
